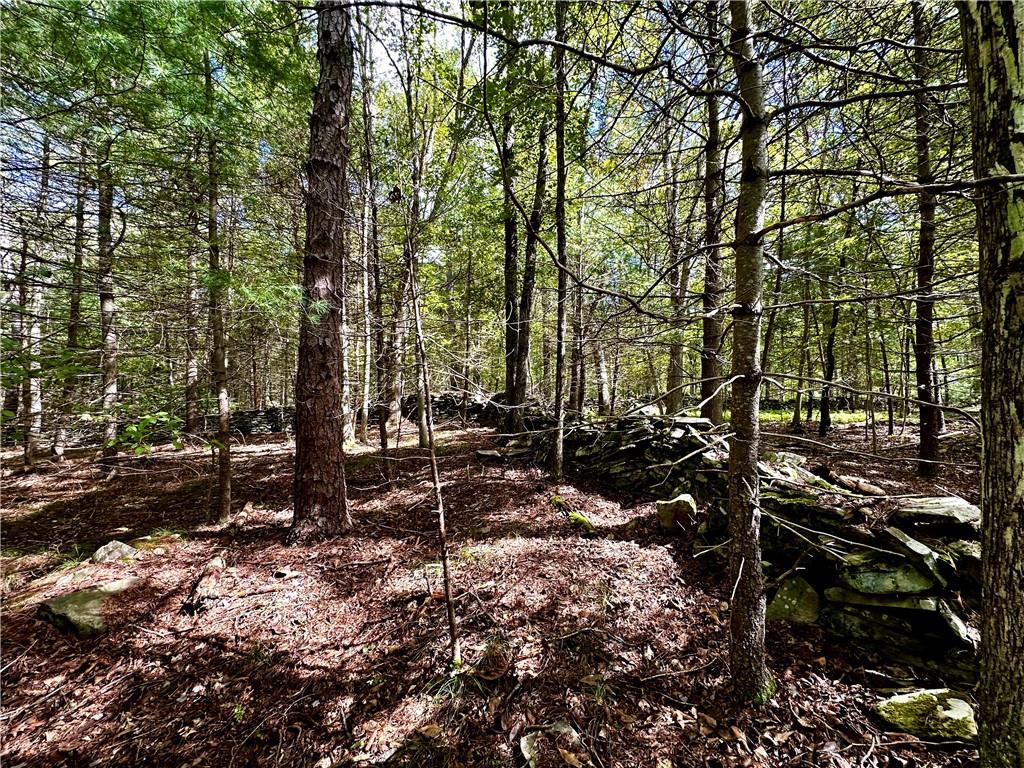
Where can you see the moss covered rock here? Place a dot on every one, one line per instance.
(81, 612)
(874, 575)
(936, 713)
(796, 601)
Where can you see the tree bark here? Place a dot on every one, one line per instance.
(924, 303)
(751, 678)
(321, 501)
(992, 35)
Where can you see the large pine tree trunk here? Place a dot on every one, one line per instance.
(751, 679)
(711, 391)
(995, 72)
(321, 504)
(924, 303)
(221, 508)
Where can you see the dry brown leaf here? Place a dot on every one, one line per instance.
(430, 731)
(570, 758)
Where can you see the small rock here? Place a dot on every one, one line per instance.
(936, 713)
(673, 514)
(796, 601)
(81, 612)
(113, 551)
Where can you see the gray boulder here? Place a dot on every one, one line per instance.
(113, 551)
(81, 612)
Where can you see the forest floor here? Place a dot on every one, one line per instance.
(605, 648)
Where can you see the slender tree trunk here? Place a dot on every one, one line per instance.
(751, 678)
(578, 379)
(381, 341)
(796, 423)
(995, 75)
(829, 370)
(367, 338)
(422, 365)
(924, 344)
(467, 339)
(74, 304)
(711, 392)
(674, 378)
(372, 321)
(32, 306)
(558, 57)
(829, 362)
(869, 418)
(108, 308)
(192, 418)
(344, 352)
(321, 500)
(511, 309)
(886, 377)
(525, 311)
(769, 330)
(601, 374)
(221, 508)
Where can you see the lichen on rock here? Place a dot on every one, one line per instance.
(933, 713)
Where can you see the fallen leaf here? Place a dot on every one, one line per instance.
(431, 731)
(570, 758)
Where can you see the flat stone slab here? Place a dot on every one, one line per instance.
(81, 612)
(939, 510)
(937, 713)
(873, 575)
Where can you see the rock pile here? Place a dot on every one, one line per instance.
(898, 575)
(260, 422)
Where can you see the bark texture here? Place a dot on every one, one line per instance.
(924, 303)
(751, 679)
(321, 505)
(995, 72)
